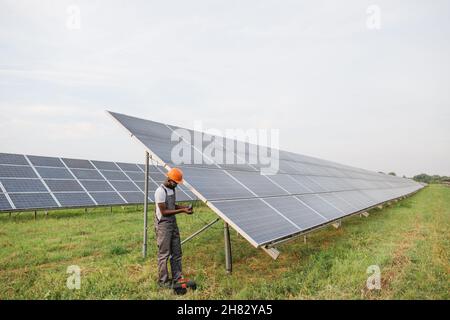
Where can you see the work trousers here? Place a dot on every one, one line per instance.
(169, 248)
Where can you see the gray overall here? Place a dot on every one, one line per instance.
(169, 243)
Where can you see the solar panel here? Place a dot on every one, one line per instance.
(86, 174)
(54, 173)
(258, 221)
(78, 199)
(124, 186)
(116, 175)
(78, 164)
(9, 171)
(40, 182)
(39, 161)
(33, 200)
(305, 193)
(318, 204)
(4, 203)
(133, 197)
(129, 167)
(107, 198)
(64, 185)
(103, 165)
(23, 185)
(15, 159)
(302, 215)
(96, 185)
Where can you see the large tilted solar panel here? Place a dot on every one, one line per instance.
(305, 193)
(36, 182)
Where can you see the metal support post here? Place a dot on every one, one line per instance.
(228, 257)
(144, 247)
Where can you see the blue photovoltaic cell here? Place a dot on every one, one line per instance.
(124, 186)
(259, 221)
(83, 174)
(16, 159)
(8, 171)
(308, 183)
(79, 199)
(64, 185)
(320, 206)
(78, 164)
(137, 176)
(45, 161)
(103, 165)
(33, 200)
(259, 184)
(4, 204)
(23, 185)
(289, 184)
(337, 202)
(114, 175)
(157, 176)
(96, 185)
(129, 167)
(152, 186)
(133, 197)
(296, 211)
(54, 173)
(215, 184)
(107, 198)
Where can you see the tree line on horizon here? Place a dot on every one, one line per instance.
(425, 178)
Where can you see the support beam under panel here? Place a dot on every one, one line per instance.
(337, 224)
(144, 246)
(228, 256)
(364, 214)
(272, 252)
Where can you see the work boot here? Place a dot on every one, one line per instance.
(186, 283)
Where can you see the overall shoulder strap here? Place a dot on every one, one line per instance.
(165, 190)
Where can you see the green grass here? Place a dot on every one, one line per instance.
(409, 241)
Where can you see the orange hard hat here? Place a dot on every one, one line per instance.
(176, 175)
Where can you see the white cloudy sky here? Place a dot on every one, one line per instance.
(377, 99)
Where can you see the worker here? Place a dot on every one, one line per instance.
(166, 228)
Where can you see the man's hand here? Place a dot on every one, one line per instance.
(188, 210)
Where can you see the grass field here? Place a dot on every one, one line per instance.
(409, 241)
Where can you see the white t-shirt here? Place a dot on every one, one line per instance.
(160, 197)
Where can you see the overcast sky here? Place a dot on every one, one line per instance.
(373, 98)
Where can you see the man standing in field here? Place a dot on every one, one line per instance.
(166, 228)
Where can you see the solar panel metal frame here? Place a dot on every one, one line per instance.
(269, 244)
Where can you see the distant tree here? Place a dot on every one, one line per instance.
(423, 177)
(392, 174)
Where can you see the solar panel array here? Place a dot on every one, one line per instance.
(305, 193)
(36, 182)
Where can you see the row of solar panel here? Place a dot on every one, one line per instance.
(306, 193)
(159, 137)
(265, 220)
(34, 182)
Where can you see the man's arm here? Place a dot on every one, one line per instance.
(167, 212)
